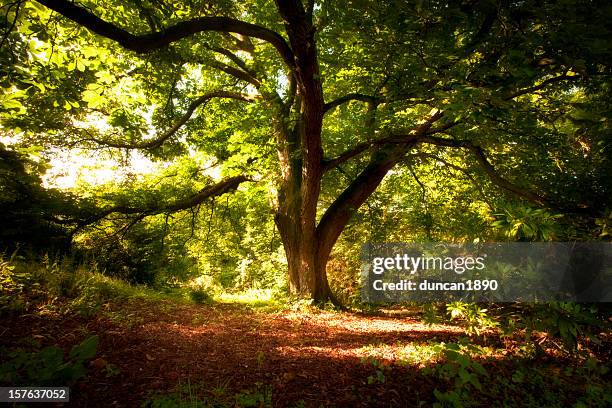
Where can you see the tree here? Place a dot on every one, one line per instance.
(28, 211)
(488, 80)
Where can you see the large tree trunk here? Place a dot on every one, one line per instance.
(307, 274)
(308, 246)
(306, 267)
(298, 195)
(301, 158)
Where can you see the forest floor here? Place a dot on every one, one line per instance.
(235, 355)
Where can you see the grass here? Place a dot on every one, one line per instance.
(188, 395)
(87, 289)
(61, 286)
(264, 300)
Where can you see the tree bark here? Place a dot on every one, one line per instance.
(303, 157)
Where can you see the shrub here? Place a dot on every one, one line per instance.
(47, 367)
(200, 295)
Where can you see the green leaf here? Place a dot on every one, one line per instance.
(86, 349)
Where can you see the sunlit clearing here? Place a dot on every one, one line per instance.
(248, 297)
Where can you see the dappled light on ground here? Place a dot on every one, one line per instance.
(318, 357)
(159, 345)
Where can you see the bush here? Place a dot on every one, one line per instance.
(47, 367)
(200, 295)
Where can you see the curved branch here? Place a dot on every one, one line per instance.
(350, 97)
(422, 134)
(158, 141)
(423, 129)
(498, 180)
(153, 41)
(418, 136)
(545, 83)
(481, 157)
(207, 192)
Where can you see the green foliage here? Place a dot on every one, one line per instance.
(64, 286)
(18, 288)
(522, 223)
(566, 325)
(27, 210)
(47, 366)
(265, 300)
(475, 317)
(567, 321)
(11, 286)
(461, 371)
(184, 397)
(535, 386)
(260, 397)
(380, 368)
(200, 295)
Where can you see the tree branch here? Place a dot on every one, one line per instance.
(422, 134)
(158, 141)
(489, 169)
(350, 97)
(481, 157)
(149, 42)
(338, 214)
(423, 129)
(207, 192)
(562, 77)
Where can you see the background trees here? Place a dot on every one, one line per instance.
(471, 112)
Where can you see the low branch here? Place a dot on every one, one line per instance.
(423, 135)
(153, 41)
(357, 192)
(494, 176)
(159, 140)
(207, 192)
